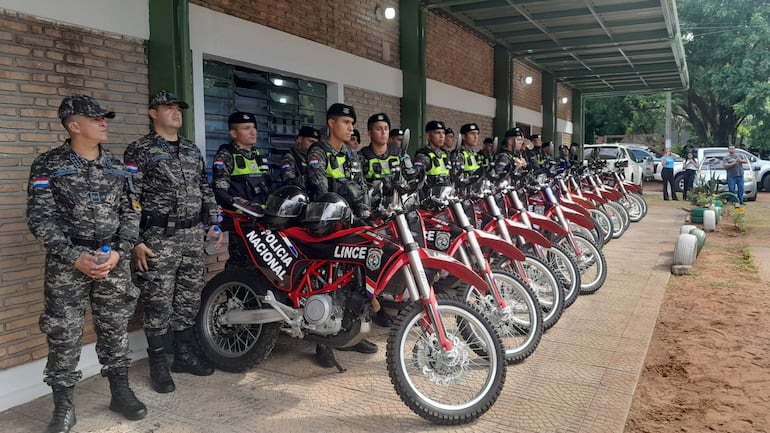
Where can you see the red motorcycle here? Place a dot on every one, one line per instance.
(321, 282)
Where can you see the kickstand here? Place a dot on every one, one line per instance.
(337, 364)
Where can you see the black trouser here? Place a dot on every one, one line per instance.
(668, 179)
(689, 178)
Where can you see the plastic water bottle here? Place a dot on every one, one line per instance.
(211, 243)
(102, 254)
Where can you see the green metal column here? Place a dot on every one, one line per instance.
(549, 107)
(413, 69)
(168, 53)
(578, 121)
(503, 90)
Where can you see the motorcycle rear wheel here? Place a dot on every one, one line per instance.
(234, 348)
(447, 387)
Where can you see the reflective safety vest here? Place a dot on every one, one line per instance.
(379, 167)
(471, 161)
(337, 167)
(248, 167)
(439, 165)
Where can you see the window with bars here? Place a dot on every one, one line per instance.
(281, 103)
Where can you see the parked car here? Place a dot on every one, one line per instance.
(646, 158)
(711, 167)
(760, 169)
(613, 153)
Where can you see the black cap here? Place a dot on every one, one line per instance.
(489, 140)
(534, 136)
(547, 144)
(241, 117)
(378, 117)
(398, 132)
(341, 110)
(164, 97)
(434, 125)
(448, 131)
(82, 105)
(309, 131)
(357, 135)
(515, 132)
(468, 127)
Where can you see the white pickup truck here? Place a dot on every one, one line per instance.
(758, 175)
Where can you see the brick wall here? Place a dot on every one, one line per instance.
(347, 25)
(41, 62)
(527, 96)
(367, 103)
(457, 57)
(455, 119)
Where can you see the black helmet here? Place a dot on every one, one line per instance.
(328, 214)
(284, 204)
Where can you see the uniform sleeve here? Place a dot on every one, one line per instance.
(135, 161)
(128, 232)
(365, 206)
(317, 182)
(209, 208)
(289, 174)
(422, 161)
(223, 166)
(44, 215)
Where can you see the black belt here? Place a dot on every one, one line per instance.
(94, 243)
(169, 222)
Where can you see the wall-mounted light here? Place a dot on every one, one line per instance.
(564, 99)
(282, 100)
(387, 13)
(527, 80)
(278, 82)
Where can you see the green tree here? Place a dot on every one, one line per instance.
(625, 115)
(728, 57)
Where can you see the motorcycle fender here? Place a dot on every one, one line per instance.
(632, 187)
(612, 194)
(547, 224)
(500, 245)
(587, 204)
(595, 197)
(531, 236)
(574, 206)
(437, 260)
(577, 218)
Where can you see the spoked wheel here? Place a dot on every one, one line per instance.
(591, 262)
(546, 287)
(618, 228)
(566, 270)
(633, 208)
(520, 323)
(237, 347)
(604, 222)
(446, 385)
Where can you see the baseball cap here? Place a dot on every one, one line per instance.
(82, 105)
(434, 125)
(309, 131)
(398, 132)
(241, 117)
(379, 117)
(468, 127)
(164, 97)
(337, 109)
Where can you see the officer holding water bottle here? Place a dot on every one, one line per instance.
(79, 208)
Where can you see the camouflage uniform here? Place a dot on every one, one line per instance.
(74, 207)
(239, 173)
(294, 167)
(171, 183)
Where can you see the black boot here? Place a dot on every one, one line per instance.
(63, 410)
(123, 399)
(186, 359)
(160, 378)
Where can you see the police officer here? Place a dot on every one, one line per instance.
(294, 162)
(240, 173)
(450, 142)
(486, 154)
(355, 141)
(396, 138)
(534, 151)
(432, 159)
(378, 158)
(510, 158)
(334, 167)
(466, 166)
(169, 175)
(78, 202)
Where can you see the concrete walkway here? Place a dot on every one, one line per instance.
(581, 378)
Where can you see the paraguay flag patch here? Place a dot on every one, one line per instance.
(132, 168)
(40, 182)
(286, 166)
(313, 162)
(219, 163)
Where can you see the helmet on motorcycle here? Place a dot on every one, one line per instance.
(284, 204)
(328, 214)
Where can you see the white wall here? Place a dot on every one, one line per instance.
(125, 17)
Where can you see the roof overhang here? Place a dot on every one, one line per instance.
(599, 47)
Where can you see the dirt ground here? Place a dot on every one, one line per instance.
(708, 366)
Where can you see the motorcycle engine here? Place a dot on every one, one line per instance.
(322, 315)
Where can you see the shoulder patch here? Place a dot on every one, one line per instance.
(40, 182)
(313, 162)
(219, 163)
(132, 168)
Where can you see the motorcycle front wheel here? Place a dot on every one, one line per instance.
(446, 386)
